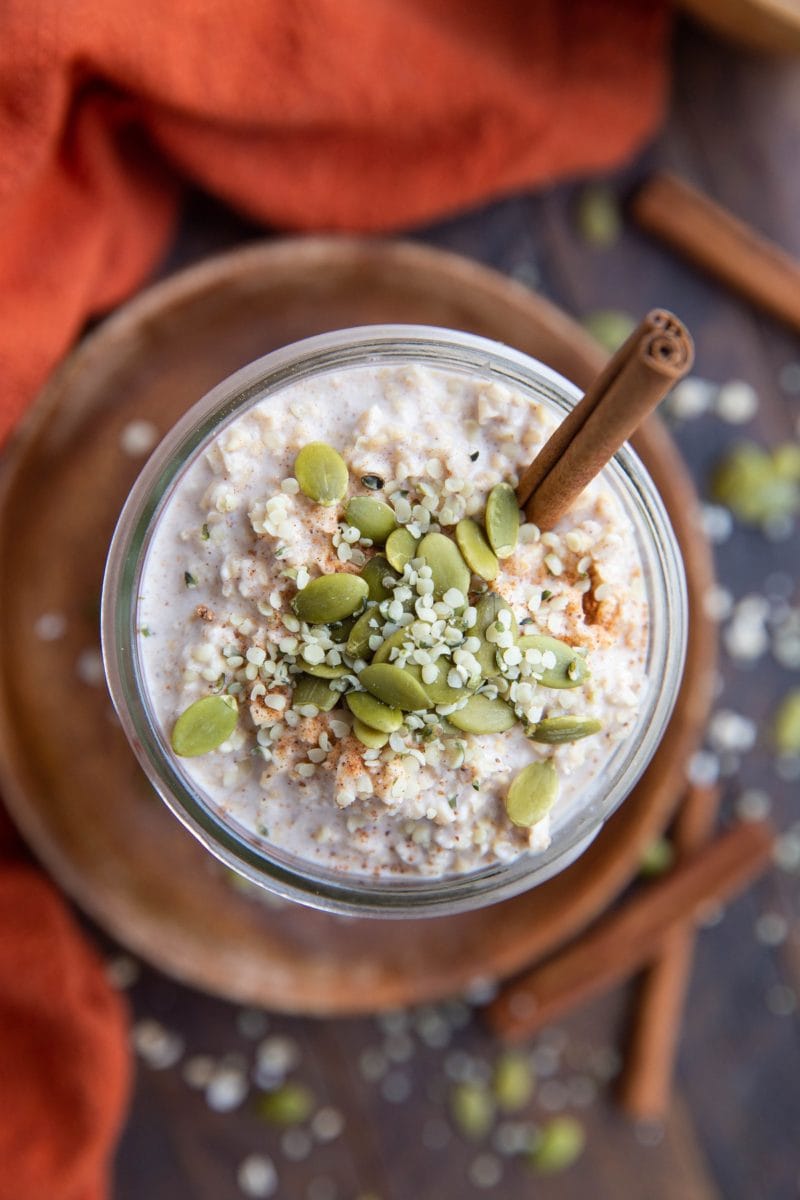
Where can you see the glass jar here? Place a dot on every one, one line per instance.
(573, 826)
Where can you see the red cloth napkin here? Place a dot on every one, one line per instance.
(307, 114)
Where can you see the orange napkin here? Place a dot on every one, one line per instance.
(63, 1052)
(306, 114)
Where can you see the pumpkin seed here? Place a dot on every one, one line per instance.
(482, 715)
(609, 327)
(362, 631)
(448, 569)
(398, 638)
(555, 730)
(786, 728)
(440, 690)
(394, 687)
(570, 670)
(512, 1082)
(373, 739)
(204, 725)
(290, 1104)
(401, 547)
(472, 1109)
(372, 518)
(323, 670)
(532, 794)
(314, 691)
(559, 1144)
(373, 573)
(477, 553)
(502, 519)
(373, 713)
(487, 610)
(330, 598)
(598, 216)
(321, 473)
(658, 857)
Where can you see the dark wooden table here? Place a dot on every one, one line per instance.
(734, 1130)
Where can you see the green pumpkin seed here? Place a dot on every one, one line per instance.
(372, 518)
(482, 715)
(477, 553)
(472, 1109)
(749, 483)
(398, 638)
(658, 857)
(373, 739)
(401, 547)
(204, 725)
(308, 690)
(786, 729)
(362, 631)
(555, 730)
(323, 670)
(559, 1144)
(448, 569)
(321, 473)
(609, 327)
(502, 519)
(373, 573)
(290, 1104)
(372, 712)
(487, 611)
(440, 690)
(330, 598)
(532, 794)
(570, 670)
(394, 687)
(598, 216)
(512, 1082)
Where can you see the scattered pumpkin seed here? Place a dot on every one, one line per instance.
(482, 715)
(318, 692)
(512, 1082)
(555, 730)
(383, 653)
(597, 216)
(570, 670)
(787, 724)
(786, 461)
(323, 670)
(373, 739)
(401, 547)
(321, 473)
(394, 687)
(609, 327)
(559, 1144)
(448, 569)
(476, 551)
(290, 1104)
(372, 518)
(373, 713)
(657, 858)
(362, 631)
(472, 1109)
(502, 519)
(487, 610)
(754, 487)
(532, 794)
(330, 598)
(440, 690)
(373, 573)
(204, 725)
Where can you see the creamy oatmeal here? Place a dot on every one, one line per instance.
(520, 676)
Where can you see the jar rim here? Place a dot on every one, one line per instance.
(265, 866)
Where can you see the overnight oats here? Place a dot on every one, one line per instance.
(356, 657)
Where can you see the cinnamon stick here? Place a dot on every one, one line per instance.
(711, 237)
(646, 1079)
(656, 355)
(622, 942)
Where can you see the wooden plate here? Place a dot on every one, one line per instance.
(68, 775)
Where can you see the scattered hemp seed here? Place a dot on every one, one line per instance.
(476, 786)
(474, 456)
(373, 482)
(205, 533)
(547, 594)
(189, 579)
(145, 631)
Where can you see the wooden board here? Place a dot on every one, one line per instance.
(67, 774)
